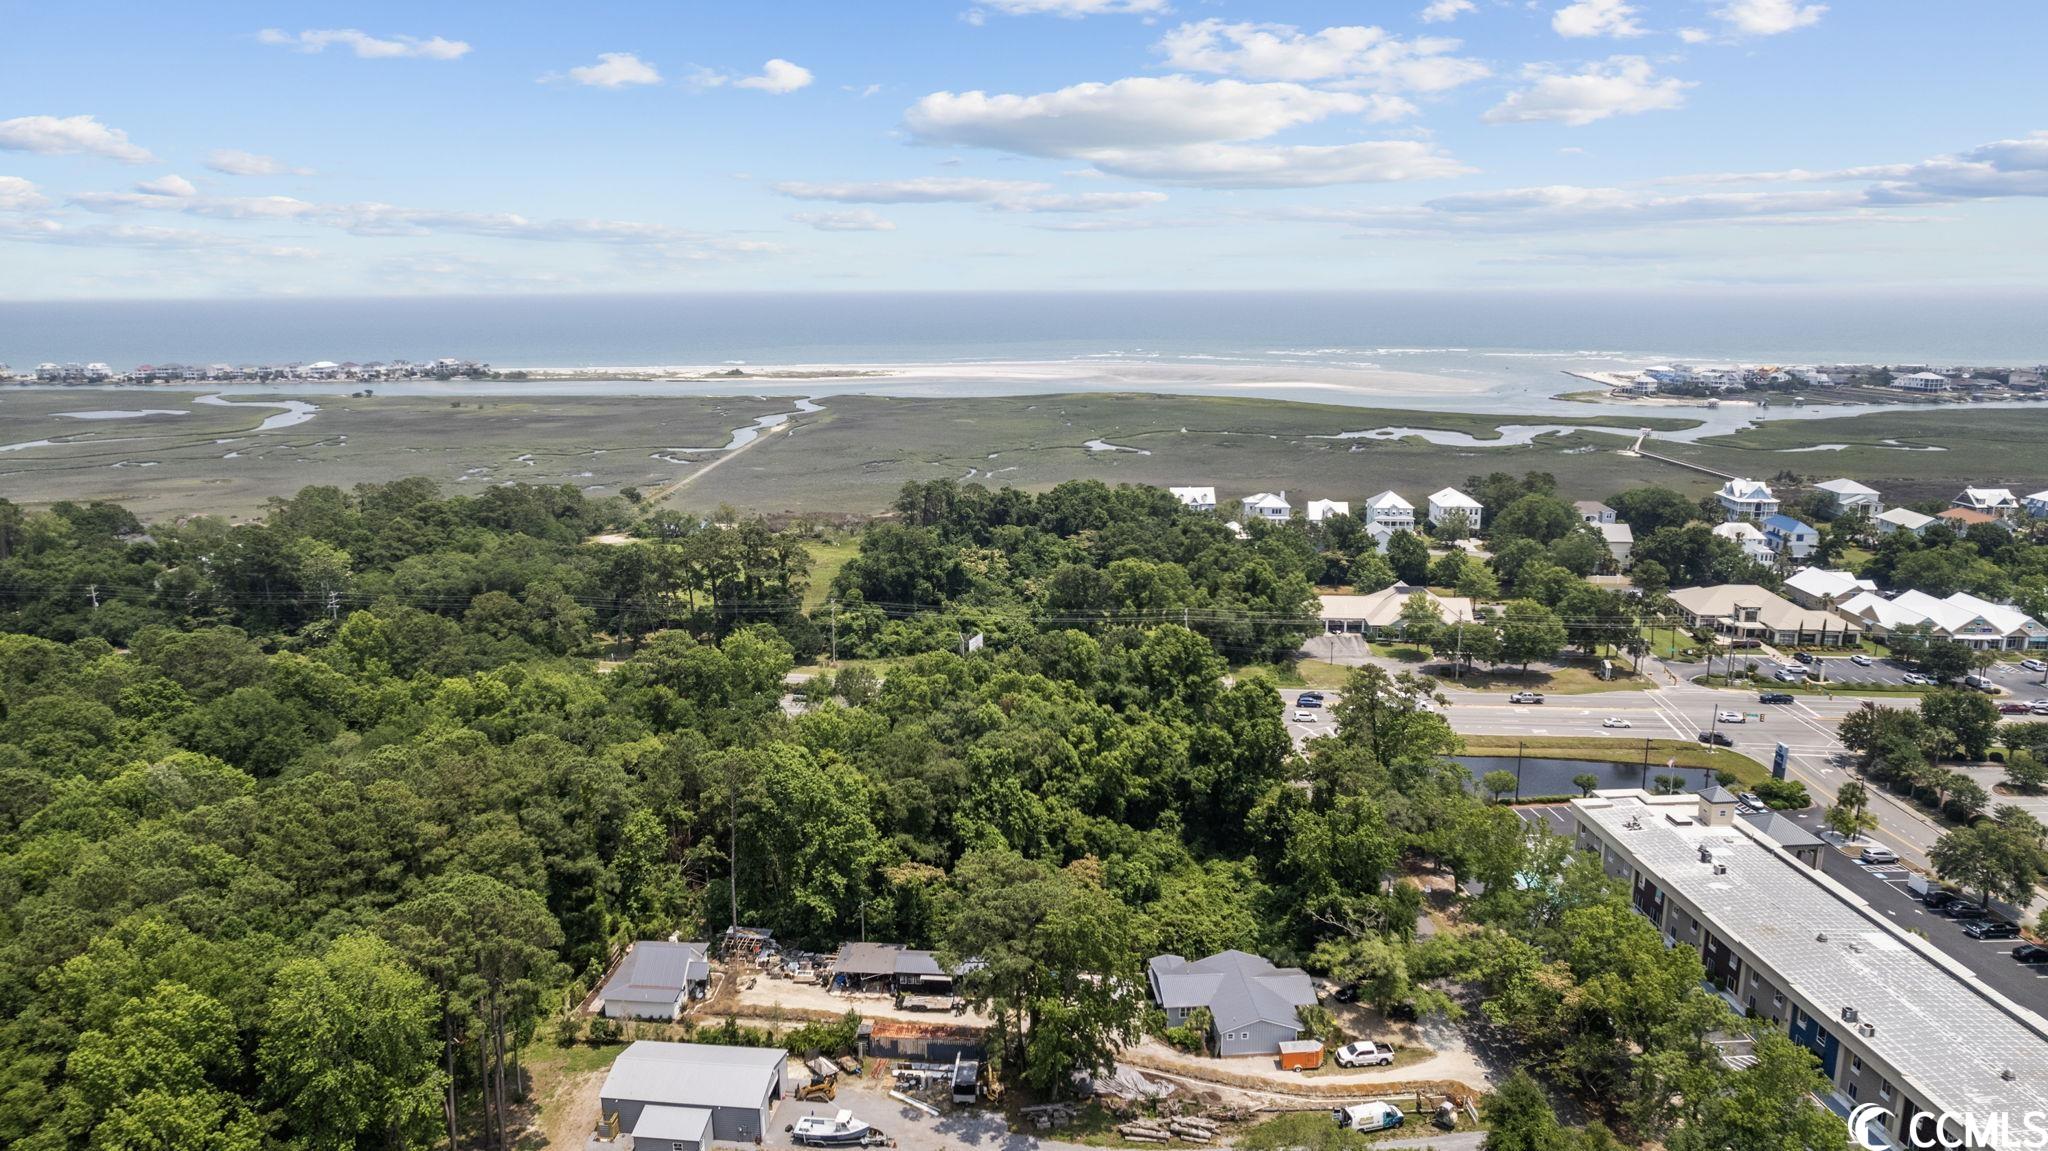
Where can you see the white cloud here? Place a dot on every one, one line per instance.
(1135, 112)
(856, 220)
(863, 91)
(1294, 166)
(1596, 18)
(1769, 17)
(365, 45)
(234, 162)
(1695, 35)
(1440, 11)
(615, 70)
(151, 237)
(1619, 86)
(1077, 202)
(1365, 57)
(1175, 129)
(177, 187)
(1076, 9)
(1997, 170)
(18, 195)
(69, 136)
(777, 76)
(922, 190)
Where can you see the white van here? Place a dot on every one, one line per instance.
(1369, 1117)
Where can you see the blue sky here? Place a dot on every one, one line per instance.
(225, 149)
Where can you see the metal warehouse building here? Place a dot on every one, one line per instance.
(1895, 1023)
(681, 1096)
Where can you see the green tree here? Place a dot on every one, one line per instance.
(1768, 1105)
(348, 1048)
(1519, 1117)
(1498, 783)
(1586, 782)
(1409, 557)
(156, 1078)
(1964, 722)
(1996, 860)
(1057, 952)
(1529, 631)
(1850, 815)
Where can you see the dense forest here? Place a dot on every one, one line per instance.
(308, 825)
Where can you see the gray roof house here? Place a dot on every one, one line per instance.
(654, 979)
(1252, 1004)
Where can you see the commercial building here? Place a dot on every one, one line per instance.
(688, 1094)
(1824, 588)
(655, 979)
(1252, 1004)
(1380, 612)
(1969, 620)
(1893, 1022)
(1750, 611)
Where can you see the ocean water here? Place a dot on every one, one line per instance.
(1504, 335)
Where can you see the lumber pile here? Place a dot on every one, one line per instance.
(1185, 1128)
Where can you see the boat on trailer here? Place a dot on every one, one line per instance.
(841, 1130)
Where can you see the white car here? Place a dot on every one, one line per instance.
(1615, 721)
(1915, 677)
(2034, 665)
(1860, 660)
(1304, 717)
(1364, 1054)
(1731, 717)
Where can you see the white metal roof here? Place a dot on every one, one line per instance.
(1452, 498)
(1846, 488)
(1951, 1038)
(680, 1124)
(694, 1074)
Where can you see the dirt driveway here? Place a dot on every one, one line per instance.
(767, 995)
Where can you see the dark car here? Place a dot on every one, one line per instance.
(1964, 909)
(1938, 898)
(1774, 697)
(2030, 953)
(1346, 994)
(1716, 739)
(1991, 929)
(1308, 699)
(1803, 656)
(2011, 708)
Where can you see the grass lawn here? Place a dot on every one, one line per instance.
(1299, 673)
(1571, 680)
(1316, 1131)
(827, 557)
(1621, 750)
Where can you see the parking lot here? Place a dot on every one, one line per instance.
(2015, 681)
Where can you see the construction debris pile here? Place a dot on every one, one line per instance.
(1186, 1128)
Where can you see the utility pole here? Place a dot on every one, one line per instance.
(1518, 771)
(732, 794)
(92, 593)
(835, 631)
(333, 606)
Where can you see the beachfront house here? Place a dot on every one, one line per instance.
(1850, 496)
(1790, 539)
(1998, 502)
(1750, 500)
(1271, 506)
(1320, 510)
(1902, 520)
(1594, 512)
(1963, 519)
(1750, 612)
(1253, 1006)
(1750, 538)
(1389, 510)
(1443, 504)
(1196, 499)
(1927, 382)
(1824, 588)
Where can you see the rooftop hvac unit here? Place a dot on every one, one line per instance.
(1706, 854)
(1867, 1030)
(1848, 1015)
(1720, 869)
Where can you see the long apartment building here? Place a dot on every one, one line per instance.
(1894, 1022)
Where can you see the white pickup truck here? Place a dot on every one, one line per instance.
(1365, 1054)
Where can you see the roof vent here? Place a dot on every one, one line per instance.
(2008, 1075)
(1821, 938)
(1720, 869)
(1706, 854)
(1867, 1030)
(1848, 1015)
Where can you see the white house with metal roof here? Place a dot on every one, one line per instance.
(2036, 504)
(1320, 510)
(1750, 538)
(1893, 1021)
(1198, 499)
(1850, 496)
(1902, 520)
(1445, 502)
(1824, 588)
(1389, 510)
(1253, 1005)
(1747, 500)
(1267, 506)
(655, 979)
(717, 1093)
